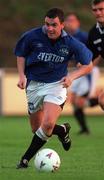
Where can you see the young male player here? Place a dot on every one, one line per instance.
(42, 58)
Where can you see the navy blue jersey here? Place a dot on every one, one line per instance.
(82, 36)
(96, 41)
(47, 61)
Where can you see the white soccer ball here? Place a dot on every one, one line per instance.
(47, 160)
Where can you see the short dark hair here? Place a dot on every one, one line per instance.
(94, 2)
(55, 12)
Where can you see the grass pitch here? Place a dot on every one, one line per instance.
(84, 161)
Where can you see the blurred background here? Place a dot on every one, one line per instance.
(16, 17)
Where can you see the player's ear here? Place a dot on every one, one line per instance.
(62, 25)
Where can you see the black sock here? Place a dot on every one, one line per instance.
(35, 145)
(93, 102)
(80, 117)
(58, 130)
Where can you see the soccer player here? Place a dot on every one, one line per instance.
(80, 88)
(42, 59)
(96, 38)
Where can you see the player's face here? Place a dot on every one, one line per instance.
(71, 23)
(53, 27)
(98, 11)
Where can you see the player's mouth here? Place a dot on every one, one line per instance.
(51, 34)
(100, 18)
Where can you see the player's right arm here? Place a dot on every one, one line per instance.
(21, 67)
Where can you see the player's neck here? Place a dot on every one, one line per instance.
(53, 41)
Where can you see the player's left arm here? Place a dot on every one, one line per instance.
(81, 71)
(83, 56)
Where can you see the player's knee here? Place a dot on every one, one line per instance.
(48, 127)
(80, 102)
(34, 128)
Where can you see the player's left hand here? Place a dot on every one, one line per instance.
(66, 81)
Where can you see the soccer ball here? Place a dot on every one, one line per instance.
(47, 160)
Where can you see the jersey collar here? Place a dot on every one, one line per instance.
(63, 33)
(98, 26)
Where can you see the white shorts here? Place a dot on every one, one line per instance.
(80, 86)
(38, 92)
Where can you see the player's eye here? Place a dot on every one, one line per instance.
(101, 9)
(47, 24)
(54, 25)
(97, 9)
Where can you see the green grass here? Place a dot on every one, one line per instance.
(84, 161)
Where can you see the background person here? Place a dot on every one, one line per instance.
(85, 86)
(96, 38)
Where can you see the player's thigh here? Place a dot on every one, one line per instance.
(36, 119)
(51, 113)
(71, 97)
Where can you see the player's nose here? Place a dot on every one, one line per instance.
(50, 28)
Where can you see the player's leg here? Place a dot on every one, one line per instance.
(91, 102)
(47, 128)
(80, 115)
(79, 92)
(57, 97)
(36, 120)
(36, 116)
(43, 132)
(51, 114)
(101, 100)
(62, 131)
(40, 137)
(78, 104)
(94, 91)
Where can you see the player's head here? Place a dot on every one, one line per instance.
(54, 22)
(72, 22)
(98, 10)
(97, 1)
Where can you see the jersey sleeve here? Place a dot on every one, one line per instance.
(22, 46)
(84, 37)
(82, 54)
